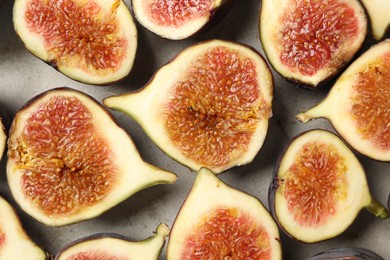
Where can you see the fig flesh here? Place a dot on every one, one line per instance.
(347, 253)
(309, 41)
(358, 104)
(92, 41)
(209, 107)
(217, 221)
(114, 246)
(68, 160)
(14, 241)
(319, 187)
(379, 13)
(180, 19)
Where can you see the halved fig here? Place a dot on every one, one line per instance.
(68, 160)
(217, 221)
(346, 253)
(3, 138)
(358, 103)
(308, 41)
(179, 19)
(379, 13)
(114, 246)
(319, 187)
(91, 41)
(209, 107)
(14, 241)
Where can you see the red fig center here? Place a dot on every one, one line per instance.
(94, 255)
(2, 239)
(176, 13)
(315, 183)
(230, 234)
(66, 165)
(214, 107)
(371, 107)
(314, 30)
(78, 32)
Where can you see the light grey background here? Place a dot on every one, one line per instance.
(22, 76)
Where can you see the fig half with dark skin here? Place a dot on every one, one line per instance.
(179, 19)
(114, 246)
(218, 221)
(309, 41)
(379, 13)
(92, 41)
(346, 253)
(3, 137)
(14, 241)
(319, 187)
(68, 159)
(358, 103)
(209, 107)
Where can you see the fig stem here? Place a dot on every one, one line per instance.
(376, 208)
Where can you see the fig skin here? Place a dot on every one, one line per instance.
(346, 253)
(132, 173)
(146, 105)
(35, 44)
(379, 14)
(209, 194)
(214, 16)
(365, 199)
(336, 107)
(20, 245)
(270, 29)
(119, 245)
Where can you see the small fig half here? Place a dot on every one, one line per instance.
(219, 220)
(309, 41)
(91, 41)
(179, 19)
(319, 187)
(379, 13)
(346, 253)
(209, 107)
(68, 160)
(358, 103)
(14, 241)
(114, 246)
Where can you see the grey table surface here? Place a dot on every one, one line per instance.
(22, 76)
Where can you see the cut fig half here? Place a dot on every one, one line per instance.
(180, 19)
(308, 41)
(319, 187)
(91, 41)
(346, 253)
(379, 13)
(14, 241)
(114, 246)
(3, 138)
(358, 104)
(209, 107)
(68, 160)
(217, 221)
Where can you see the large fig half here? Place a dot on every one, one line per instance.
(209, 107)
(68, 160)
(379, 13)
(92, 41)
(108, 246)
(217, 221)
(309, 40)
(346, 253)
(179, 19)
(14, 241)
(319, 187)
(358, 103)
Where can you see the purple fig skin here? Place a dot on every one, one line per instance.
(215, 17)
(346, 253)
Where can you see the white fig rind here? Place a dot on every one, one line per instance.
(379, 13)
